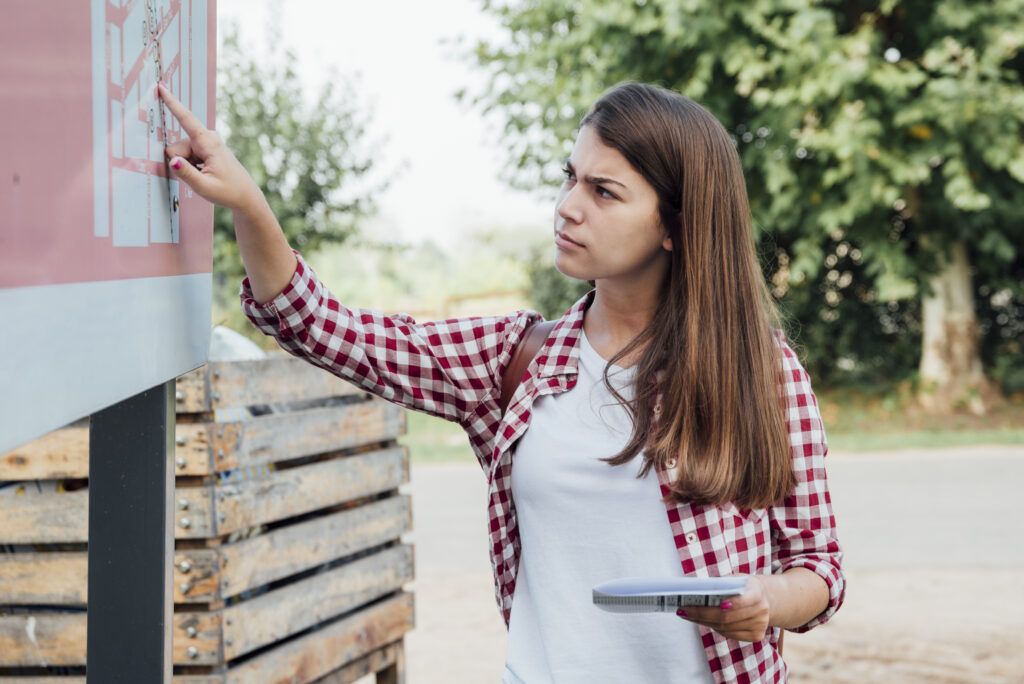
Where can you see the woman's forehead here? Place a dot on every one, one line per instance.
(595, 158)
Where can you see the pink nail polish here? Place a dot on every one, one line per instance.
(176, 164)
(681, 613)
(726, 605)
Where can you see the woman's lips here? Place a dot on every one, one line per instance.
(563, 241)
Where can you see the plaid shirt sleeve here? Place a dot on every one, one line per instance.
(443, 368)
(803, 525)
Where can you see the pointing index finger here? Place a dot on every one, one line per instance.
(192, 125)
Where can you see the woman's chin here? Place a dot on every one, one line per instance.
(564, 266)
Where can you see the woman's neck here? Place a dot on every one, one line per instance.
(613, 319)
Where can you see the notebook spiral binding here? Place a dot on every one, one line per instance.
(664, 603)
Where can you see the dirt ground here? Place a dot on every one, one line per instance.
(933, 627)
(934, 566)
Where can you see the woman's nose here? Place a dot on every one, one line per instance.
(568, 206)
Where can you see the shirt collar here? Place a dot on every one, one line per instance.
(562, 348)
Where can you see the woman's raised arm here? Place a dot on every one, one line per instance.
(450, 369)
(204, 163)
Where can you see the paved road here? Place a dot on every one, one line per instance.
(952, 508)
(934, 561)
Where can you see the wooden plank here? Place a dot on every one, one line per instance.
(197, 638)
(197, 576)
(193, 452)
(318, 653)
(192, 391)
(286, 493)
(210, 638)
(207, 575)
(289, 550)
(194, 512)
(42, 639)
(283, 436)
(278, 378)
(377, 661)
(382, 659)
(55, 579)
(44, 517)
(73, 679)
(214, 510)
(64, 453)
(395, 672)
(52, 517)
(45, 639)
(292, 608)
(205, 448)
(56, 455)
(70, 679)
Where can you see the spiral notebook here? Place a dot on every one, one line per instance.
(656, 594)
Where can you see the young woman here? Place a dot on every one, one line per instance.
(665, 427)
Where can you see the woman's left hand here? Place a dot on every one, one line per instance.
(743, 617)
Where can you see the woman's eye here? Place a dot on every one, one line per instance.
(569, 174)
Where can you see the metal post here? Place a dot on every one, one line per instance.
(131, 539)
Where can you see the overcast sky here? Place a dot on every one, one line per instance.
(449, 185)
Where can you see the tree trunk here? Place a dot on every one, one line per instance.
(950, 371)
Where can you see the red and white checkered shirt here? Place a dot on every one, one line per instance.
(453, 368)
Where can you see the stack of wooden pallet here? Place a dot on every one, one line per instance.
(289, 564)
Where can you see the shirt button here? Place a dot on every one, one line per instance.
(670, 463)
(691, 537)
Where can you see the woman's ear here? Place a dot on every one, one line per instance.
(667, 243)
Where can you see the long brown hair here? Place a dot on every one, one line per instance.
(723, 415)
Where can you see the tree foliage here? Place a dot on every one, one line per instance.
(307, 158)
(872, 136)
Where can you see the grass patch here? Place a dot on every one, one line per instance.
(434, 440)
(873, 419)
(883, 441)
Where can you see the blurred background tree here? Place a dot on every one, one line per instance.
(310, 160)
(882, 146)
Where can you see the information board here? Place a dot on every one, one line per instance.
(105, 260)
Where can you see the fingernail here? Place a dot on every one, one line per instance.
(176, 163)
(681, 613)
(726, 605)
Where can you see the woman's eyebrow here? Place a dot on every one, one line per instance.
(595, 180)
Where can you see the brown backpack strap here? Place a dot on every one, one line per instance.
(529, 345)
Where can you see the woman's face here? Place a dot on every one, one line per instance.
(611, 211)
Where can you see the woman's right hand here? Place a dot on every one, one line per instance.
(204, 163)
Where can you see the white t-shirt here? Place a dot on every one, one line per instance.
(583, 522)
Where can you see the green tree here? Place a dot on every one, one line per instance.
(307, 159)
(881, 142)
